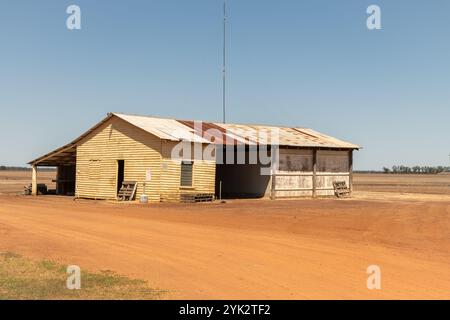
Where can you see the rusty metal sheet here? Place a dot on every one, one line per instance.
(233, 134)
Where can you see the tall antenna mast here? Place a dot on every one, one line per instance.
(224, 59)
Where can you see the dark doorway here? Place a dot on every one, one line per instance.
(65, 180)
(241, 180)
(120, 173)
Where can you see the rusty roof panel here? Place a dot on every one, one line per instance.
(207, 130)
(285, 136)
(232, 134)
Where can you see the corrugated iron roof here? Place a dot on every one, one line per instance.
(287, 136)
(217, 133)
(232, 134)
(265, 135)
(167, 129)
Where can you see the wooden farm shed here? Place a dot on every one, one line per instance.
(141, 149)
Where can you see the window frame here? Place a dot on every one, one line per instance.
(184, 164)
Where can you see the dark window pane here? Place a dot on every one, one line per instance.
(186, 174)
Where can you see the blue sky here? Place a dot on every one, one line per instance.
(308, 63)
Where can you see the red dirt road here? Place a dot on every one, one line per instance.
(301, 249)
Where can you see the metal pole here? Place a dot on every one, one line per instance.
(224, 59)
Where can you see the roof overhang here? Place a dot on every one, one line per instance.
(62, 156)
(65, 155)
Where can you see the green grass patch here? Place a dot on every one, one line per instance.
(24, 279)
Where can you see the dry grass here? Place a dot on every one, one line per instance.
(24, 279)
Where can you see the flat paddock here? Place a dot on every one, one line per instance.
(12, 182)
(403, 183)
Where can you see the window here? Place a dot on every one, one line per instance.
(94, 169)
(186, 173)
(333, 161)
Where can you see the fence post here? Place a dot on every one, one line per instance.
(314, 177)
(34, 190)
(350, 170)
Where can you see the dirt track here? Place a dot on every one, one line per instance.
(244, 249)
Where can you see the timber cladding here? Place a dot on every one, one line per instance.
(203, 173)
(145, 156)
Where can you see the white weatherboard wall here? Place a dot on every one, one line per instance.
(294, 173)
(294, 177)
(331, 166)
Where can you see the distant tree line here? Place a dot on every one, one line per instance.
(4, 168)
(13, 168)
(416, 169)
